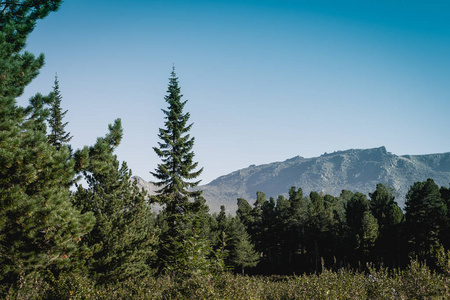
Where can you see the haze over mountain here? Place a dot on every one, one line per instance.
(357, 170)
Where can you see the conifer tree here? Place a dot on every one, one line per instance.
(178, 167)
(362, 227)
(244, 212)
(319, 226)
(445, 232)
(17, 20)
(425, 215)
(175, 150)
(244, 254)
(235, 243)
(39, 228)
(389, 216)
(58, 136)
(124, 239)
(184, 208)
(296, 222)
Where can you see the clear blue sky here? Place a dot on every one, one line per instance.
(266, 80)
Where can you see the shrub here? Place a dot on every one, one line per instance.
(416, 282)
(419, 282)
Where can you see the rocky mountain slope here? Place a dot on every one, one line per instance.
(355, 170)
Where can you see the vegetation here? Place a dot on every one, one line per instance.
(102, 240)
(123, 241)
(183, 249)
(39, 227)
(415, 282)
(58, 136)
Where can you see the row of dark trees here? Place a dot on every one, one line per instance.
(105, 230)
(305, 233)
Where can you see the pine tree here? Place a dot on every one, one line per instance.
(124, 239)
(445, 232)
(389, 216)
(362, 227)
(175, 150)
(175, 175)
(244, 254)
(39, 228)
(319, 225)
(18, 67)
(296, 221)
(369, 232)
(425, 215)
(58, 136)
(244, 212)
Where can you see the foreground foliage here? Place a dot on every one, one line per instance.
(39, 227)
(415, 282)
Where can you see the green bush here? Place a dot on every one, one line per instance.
(419, 282)
(416, 282)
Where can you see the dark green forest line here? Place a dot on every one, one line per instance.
(57, 241)
(305, 234)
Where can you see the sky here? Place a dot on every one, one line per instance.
(265, 80)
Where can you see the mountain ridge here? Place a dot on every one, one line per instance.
(357, 170)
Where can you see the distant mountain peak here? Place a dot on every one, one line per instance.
(148, 186)
(354, 169)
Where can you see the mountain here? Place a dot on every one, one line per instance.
(357, 170)
(148, 186)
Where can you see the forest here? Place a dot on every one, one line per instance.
(60, 239)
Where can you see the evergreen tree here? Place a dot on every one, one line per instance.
(245, 255)
(269, 233)
(58, 136)
(244, 212)
(184, 209)
(189, 259)
(425, 216)
(389, 216)
(319, 225)
(18, 67)
(222, 219)
(384, 207)
(296, 222)
(124, 239)
(362, 228)
(445, 232)
(241, 250)
(369, 233)
(39, 228)
(175, 150)
(256, 229)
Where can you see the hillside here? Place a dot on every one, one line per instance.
(354, 170)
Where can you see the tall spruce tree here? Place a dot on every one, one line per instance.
(124, 239)
(178, 167)
(184, 208)
(39, 228)
(58, 136)
(175, 150)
